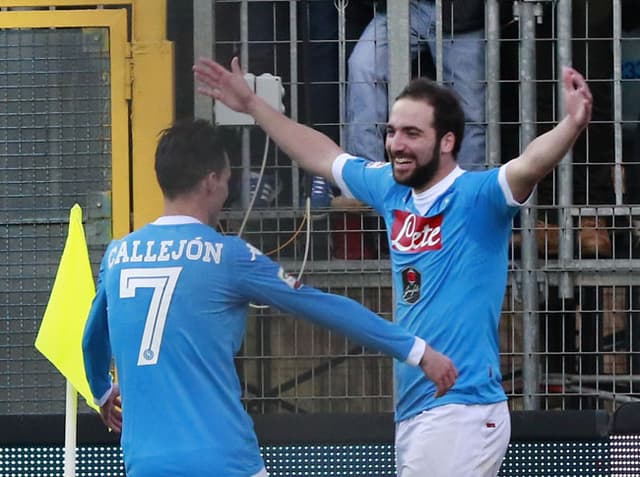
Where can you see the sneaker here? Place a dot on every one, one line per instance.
(320, 192)
(267, 191)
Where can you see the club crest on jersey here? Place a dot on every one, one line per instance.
(414, 233)
(411, 280)
(288, 279)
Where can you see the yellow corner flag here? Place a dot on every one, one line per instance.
(60, 336)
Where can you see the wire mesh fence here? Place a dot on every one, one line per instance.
(55, 150)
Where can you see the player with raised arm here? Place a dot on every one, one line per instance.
(448, 233)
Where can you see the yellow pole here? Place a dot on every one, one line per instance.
(152, 102)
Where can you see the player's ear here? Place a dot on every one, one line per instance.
(447, 142)
(209, 182)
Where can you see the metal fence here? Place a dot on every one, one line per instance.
(55, 149)
(569, 330)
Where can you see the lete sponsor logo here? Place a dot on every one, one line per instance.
(413, 233)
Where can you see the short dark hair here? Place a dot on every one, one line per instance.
(186, 152)
(447, 112)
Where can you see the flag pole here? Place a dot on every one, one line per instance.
(60, 335)
(70, 430)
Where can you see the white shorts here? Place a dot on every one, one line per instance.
(454, 440)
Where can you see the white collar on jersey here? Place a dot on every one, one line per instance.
(176, 220)
(425, 199)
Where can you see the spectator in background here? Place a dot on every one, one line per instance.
(463, 61)
(319, 22)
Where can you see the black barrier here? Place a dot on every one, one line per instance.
(544, 443)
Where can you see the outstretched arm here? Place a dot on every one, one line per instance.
(259, 278)
(312, 150)
(547, 150)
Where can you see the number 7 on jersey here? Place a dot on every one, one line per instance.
(163, 282)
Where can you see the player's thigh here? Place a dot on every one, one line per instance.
(453, 441)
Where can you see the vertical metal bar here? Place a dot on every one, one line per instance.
(565, 168)
(246, 145)
(293, 57)
(527, 61)
(617, 100)
(492, 28)
(399, 65)
(439, 61)
(399, 45)
(341, 5)
(203, 41)
(293, 91)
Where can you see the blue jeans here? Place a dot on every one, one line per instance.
(463, 69)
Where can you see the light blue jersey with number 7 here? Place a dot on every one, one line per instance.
(171, 310)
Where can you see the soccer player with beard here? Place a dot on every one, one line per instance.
(448, 237)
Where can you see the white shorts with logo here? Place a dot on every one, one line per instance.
(454, 440)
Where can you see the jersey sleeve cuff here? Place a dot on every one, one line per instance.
(416, 353)
(336, 171)
(506, 190)
(100, 402)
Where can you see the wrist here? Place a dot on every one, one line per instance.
(416, 355)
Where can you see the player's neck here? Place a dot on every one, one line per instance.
(188, 207)
(446, 167)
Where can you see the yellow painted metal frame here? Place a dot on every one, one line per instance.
(153, 98)
(116, 21)
(61, 3)
(141, 71)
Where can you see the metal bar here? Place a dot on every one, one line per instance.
(439, 37)
(565, 168)
(399, 44)
(341, 5)
(293, 92)
(603, 394)
(203, 46)
(592, 378)
(617, 100)
(245, 159)
(527, 63)
(492, 26)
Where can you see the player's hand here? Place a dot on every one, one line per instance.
(438, 369)
(577, 97)
(228, 86)
(111, 411)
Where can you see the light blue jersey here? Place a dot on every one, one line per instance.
(449, 255)
(171, 308)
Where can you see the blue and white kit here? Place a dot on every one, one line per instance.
(171, 309)
(449, 253)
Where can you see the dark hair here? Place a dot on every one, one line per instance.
(447, 112)
(186, 152)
